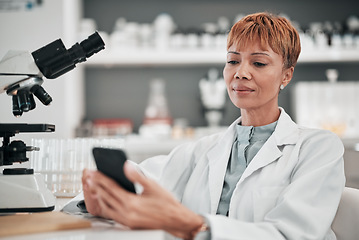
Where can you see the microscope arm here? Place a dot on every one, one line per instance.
(21, 78)
(16, 67)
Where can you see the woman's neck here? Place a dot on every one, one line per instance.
(252, 117)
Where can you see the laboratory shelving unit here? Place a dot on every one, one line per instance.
(195, 57)
(134, 62)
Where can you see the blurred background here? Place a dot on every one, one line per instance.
(159, 81)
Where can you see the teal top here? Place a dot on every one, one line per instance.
(247, 144)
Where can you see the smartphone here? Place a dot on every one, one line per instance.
(110, 162)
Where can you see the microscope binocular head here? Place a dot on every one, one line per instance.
(22, 73)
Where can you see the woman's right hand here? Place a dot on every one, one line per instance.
(154, 208)
(91, 200)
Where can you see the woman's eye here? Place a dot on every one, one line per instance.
(259, 64)
(232, 62)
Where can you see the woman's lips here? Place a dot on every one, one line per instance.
(242, 90)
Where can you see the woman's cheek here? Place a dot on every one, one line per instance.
(227, 76)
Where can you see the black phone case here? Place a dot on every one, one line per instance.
(110, 162)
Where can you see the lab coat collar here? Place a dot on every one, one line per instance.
(286, 132)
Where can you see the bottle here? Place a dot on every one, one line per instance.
(157, 121)
(157, 103)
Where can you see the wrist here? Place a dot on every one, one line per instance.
(203, 227)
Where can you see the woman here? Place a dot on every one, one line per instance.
(263, 178)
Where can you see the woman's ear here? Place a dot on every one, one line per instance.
(288, 74)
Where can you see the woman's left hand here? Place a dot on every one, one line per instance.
(155, 208)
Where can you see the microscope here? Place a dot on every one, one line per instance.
(21, 77)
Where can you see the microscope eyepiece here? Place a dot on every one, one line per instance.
(54, 60)
(87, 48)
(93, 44)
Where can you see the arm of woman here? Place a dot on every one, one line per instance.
(154, 208)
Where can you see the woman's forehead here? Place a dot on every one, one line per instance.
(250, 46)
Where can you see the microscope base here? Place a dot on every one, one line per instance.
(25, 193)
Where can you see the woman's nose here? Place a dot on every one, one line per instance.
(243, 72)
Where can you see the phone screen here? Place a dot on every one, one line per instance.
(110, 162)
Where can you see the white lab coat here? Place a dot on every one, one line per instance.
(290, 190)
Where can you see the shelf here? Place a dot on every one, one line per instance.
(197, 57)
(329, 55)
(147, 57)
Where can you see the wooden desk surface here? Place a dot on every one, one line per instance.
(100, 229)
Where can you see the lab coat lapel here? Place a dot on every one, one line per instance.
(267, 154)
(285, 133)
(218, 159)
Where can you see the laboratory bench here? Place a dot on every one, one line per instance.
(94, 233)
(100, 229)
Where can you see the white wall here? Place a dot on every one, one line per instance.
(30, 30)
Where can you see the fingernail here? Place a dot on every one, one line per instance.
(88, 182)
(129, 167)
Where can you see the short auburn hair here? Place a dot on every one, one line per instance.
(271, 30)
